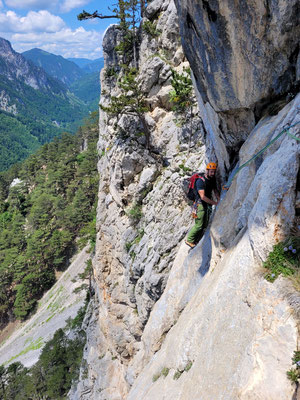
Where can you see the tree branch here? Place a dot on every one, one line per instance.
(95, 14)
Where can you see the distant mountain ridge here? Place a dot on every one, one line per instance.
(89, 65)
(81, 75)
(34, 107)
(56, 66)
(15, 67)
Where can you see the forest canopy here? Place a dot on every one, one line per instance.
(47, 209)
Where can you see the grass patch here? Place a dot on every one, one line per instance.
(135, 213)
(136, 240)
(164, 372)
(51, 316)
(177, 375)
(184, 168)
(156, 377)
(139, 237)
(294, 373)
(35, 345)
(188, 366)
(128, 245)
(284, 260)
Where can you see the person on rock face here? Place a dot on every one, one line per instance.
(204, 187)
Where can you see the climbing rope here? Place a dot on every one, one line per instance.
(226, 187)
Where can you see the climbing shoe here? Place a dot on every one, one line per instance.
(191, 245)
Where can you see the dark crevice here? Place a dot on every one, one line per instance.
(212, 15)
(233, 152)
(298, 190)
(190, 23)
(294, 56)
(298, 181)
(271, 105)
(268, 11)
(295, 397)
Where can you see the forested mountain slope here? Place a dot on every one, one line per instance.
(88, 89)
(46, 203)
(56, 66)
(83, 80)
(34, 107)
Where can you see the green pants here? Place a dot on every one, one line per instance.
(201, 222)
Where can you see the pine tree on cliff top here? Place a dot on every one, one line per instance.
(128, 12)
(131, 101)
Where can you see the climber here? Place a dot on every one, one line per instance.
(204, 186)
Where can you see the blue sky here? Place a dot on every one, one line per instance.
(52, 25)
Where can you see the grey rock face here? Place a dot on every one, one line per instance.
(207, 315)
(241, 52)
(5, 103)
(235, 325)
(111, 39)
(142, 211)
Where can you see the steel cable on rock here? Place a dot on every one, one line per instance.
(226, 187)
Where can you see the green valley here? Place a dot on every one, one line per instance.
(87, 89)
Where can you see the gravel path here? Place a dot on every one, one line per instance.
(57, 305)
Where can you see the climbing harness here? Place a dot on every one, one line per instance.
(226, 187)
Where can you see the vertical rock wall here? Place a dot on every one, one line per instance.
(169, 324)
(236, 336)
(246, 51)
(245, 59)
(134, 254)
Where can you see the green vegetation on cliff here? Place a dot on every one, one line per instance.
(42, 214)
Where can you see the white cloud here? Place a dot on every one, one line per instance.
(68, 5)
(40, 21)
(65, 6)
(38, 4)
(66, 42)
(49, 32)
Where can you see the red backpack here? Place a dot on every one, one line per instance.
(191, 193)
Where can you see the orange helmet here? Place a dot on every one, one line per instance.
(211, 165)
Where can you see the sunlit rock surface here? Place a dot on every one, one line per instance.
(237, 330)
(206, 316)
(58, 305)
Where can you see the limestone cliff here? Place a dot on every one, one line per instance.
(207, 316)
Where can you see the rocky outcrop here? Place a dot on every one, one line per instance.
(5, 103)
(174, 324)
(142, 212)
